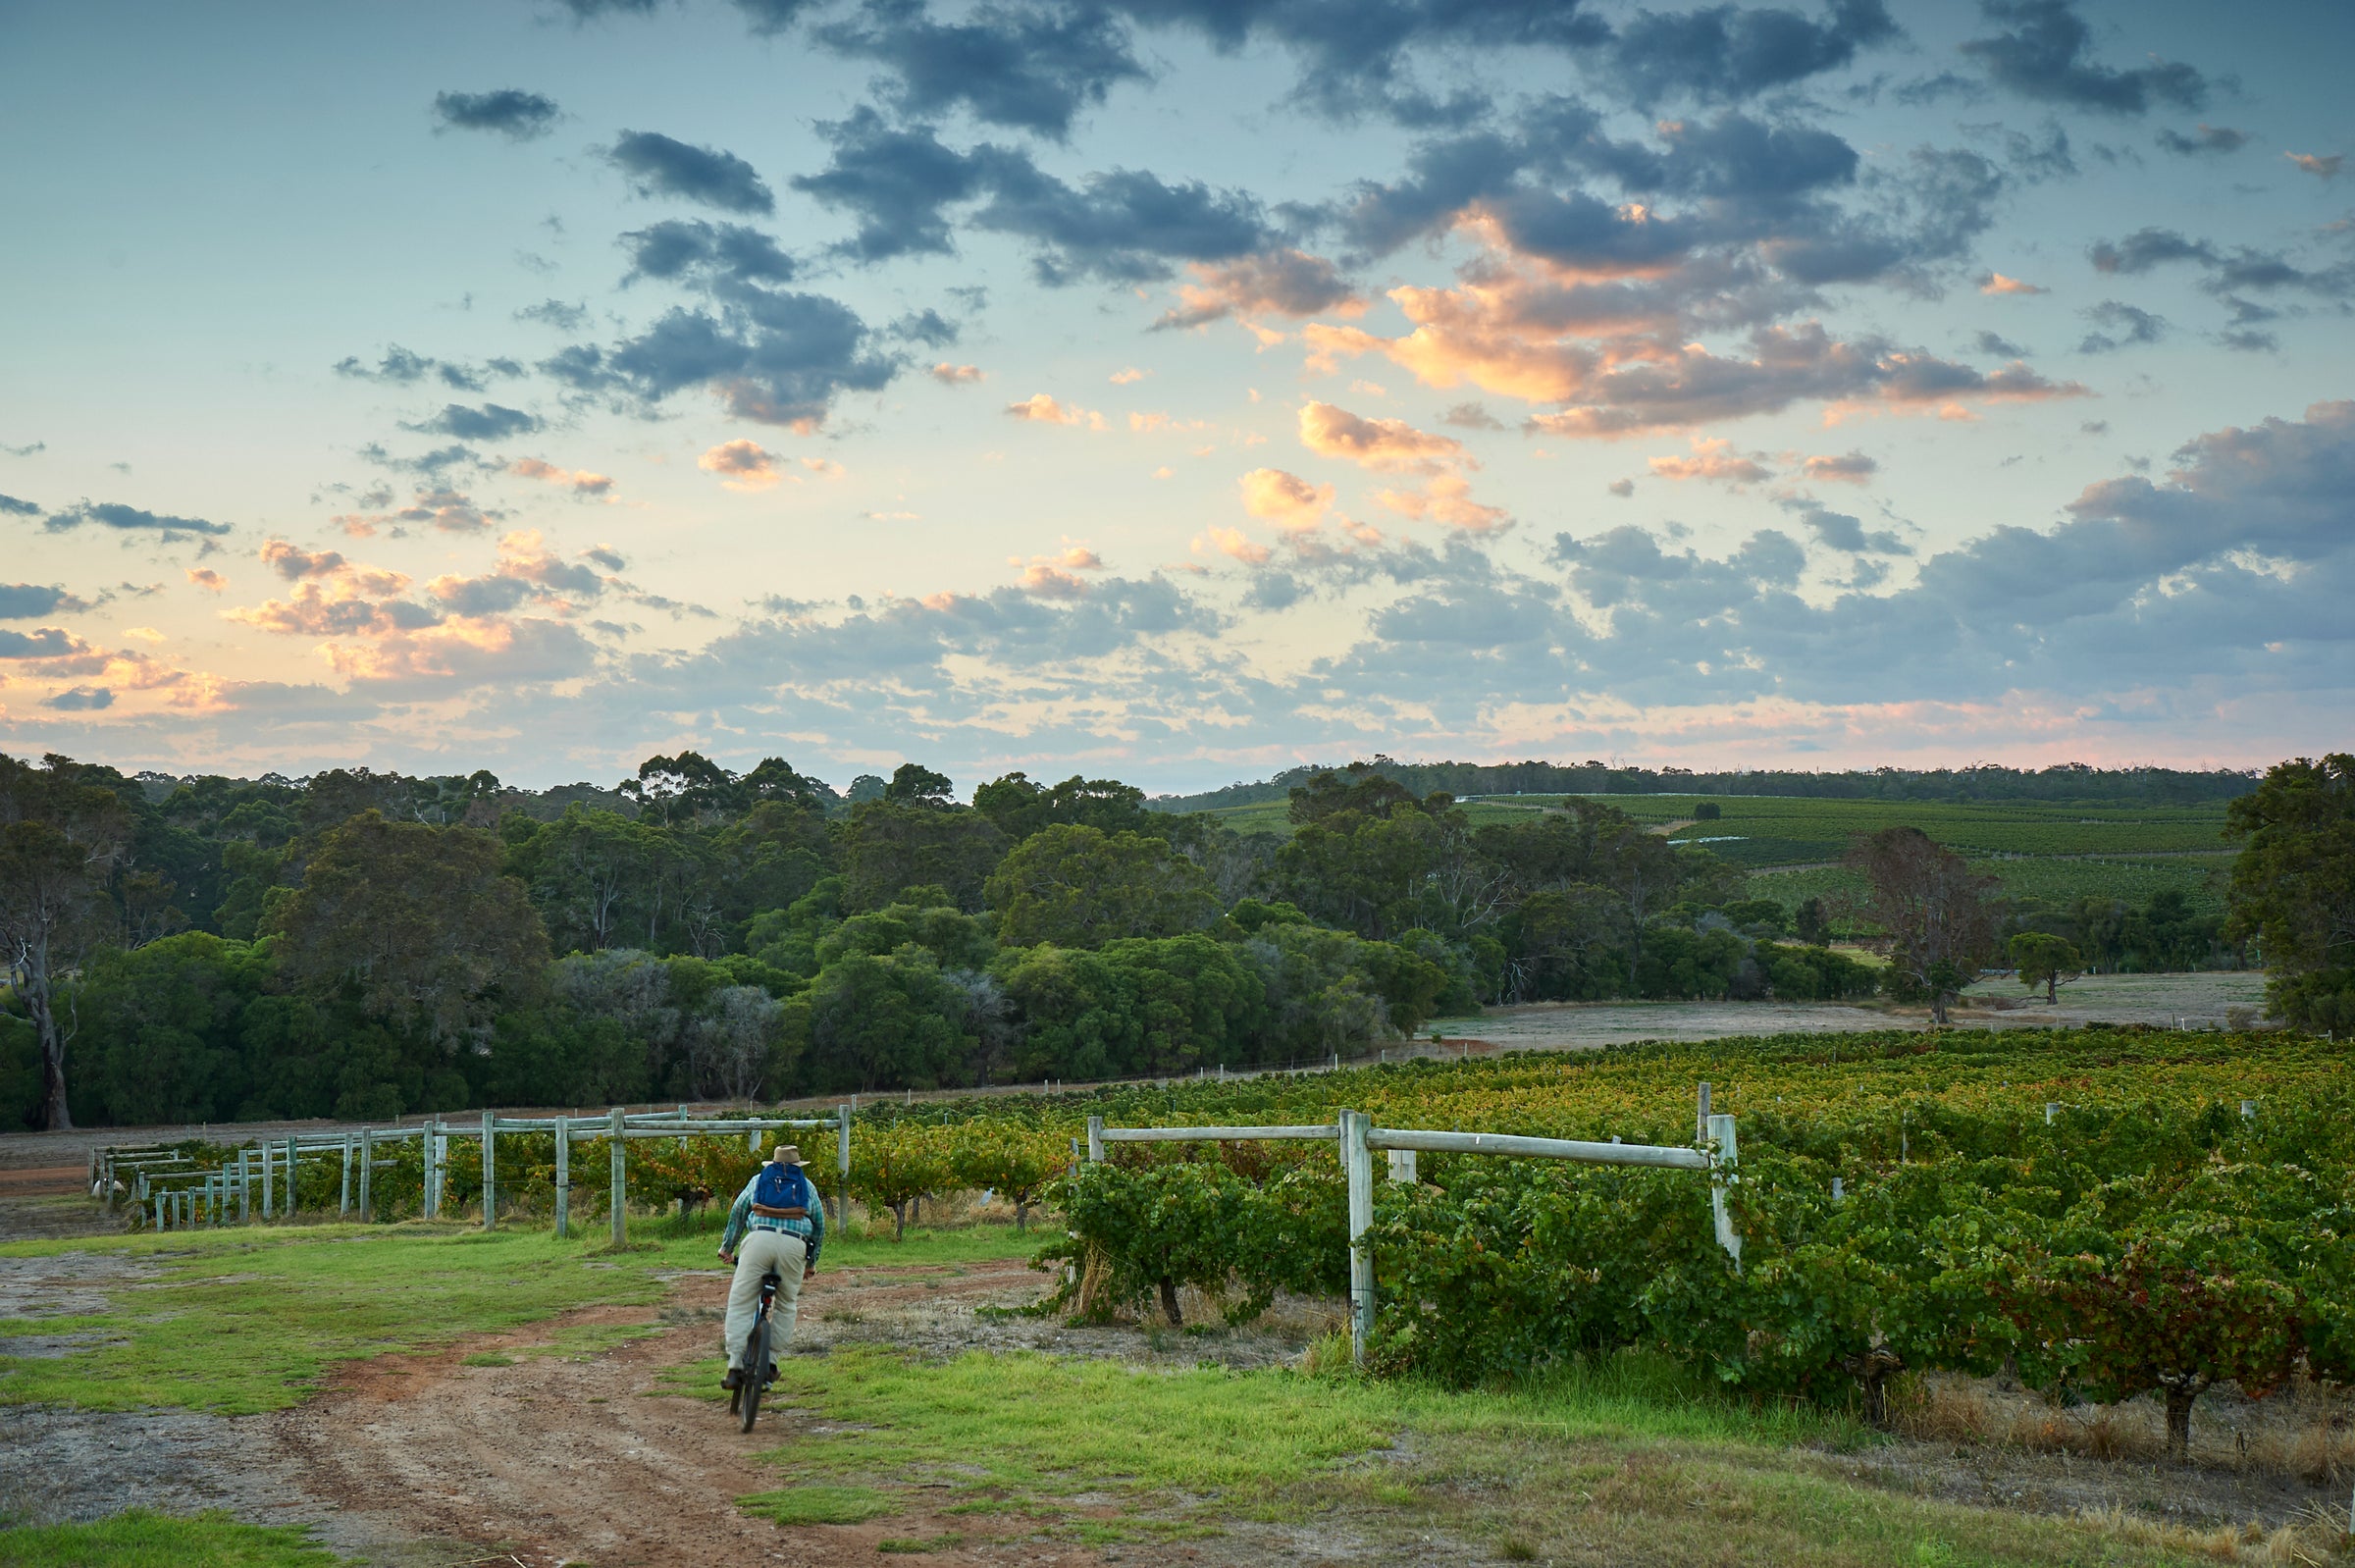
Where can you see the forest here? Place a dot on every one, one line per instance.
(365, 945)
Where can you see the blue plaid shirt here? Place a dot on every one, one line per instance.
(741, 1218)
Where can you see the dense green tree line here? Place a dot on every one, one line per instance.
(363, 944)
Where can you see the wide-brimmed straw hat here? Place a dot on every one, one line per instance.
(788, 1154)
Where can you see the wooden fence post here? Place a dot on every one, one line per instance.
(1723, 1162)
(1095, 1140)
(367, 1171)
(490, 1171)
(1357, 1165)
(842, 1165)
(620, 1180)
(563, 1178)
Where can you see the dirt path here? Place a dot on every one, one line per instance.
(593, 1457)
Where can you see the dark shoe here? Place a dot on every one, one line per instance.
(734, 1379)
(773, 1374)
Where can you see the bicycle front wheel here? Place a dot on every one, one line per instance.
(756, 1372)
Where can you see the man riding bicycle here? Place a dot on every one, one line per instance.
(777, 1223)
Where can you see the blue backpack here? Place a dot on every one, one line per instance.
(782, 1187)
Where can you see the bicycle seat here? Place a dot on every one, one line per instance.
(773, 1279)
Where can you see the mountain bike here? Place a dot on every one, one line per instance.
(760, 1370)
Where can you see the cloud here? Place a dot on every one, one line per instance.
(1724, 53)
(1850, 468)
(2214, 140)
(1471, 416)
(295, 563)
(1120, 226)
(13, 506)
(22, 601)
(2322, 166)
(1276, 283)
(714, 255)
(1040, 408)
(79, 699)
(555, 313)
(204, 577)
(49, 642)
(1388, 444)
(580, 481)
(401, 367)
(2228, 273)
(948, 374)
(1841, 532)
(1031, 68)
(1129, 377)
(1057, 576)
(2119, 325)
(743, 465)
(31, 449)
(489, 422)
(1995, 283)
(442, 509)
(1234, 543)
(509, 111)
(1285, 499)
(130, 519)
(775, 358)
(658, 165)
(2042, 58)
(1713, 460)
(1621, 488)
(1446, 499)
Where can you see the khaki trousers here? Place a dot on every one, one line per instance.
(759, 1252)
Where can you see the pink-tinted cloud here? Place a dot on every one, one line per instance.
(1447, 500)
(1995, 283)
(1285, 499)
(1850, 468)
(948, 374)
(2320, 165)
(1129, 377)
(1274, 283)
(204, 577)
(1234, 542)
(1042, 409)
(295, 564)
(742, 466)
(1388, 445)
(580, 481)
(1713, 460)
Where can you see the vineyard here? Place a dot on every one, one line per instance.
(2109, 1212)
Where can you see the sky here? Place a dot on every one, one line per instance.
(1175, 389)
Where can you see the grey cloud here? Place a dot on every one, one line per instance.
(1030, 68)
(2043, 56)
(777, 357)
(2205, 139)
(128, 519)
(22, 601)
(714, 254)
(1841, 532)
(1471, 416)
(1995, 344)
(489, 422)
(1123, 226)
(401, 367)
(50, 641)
(1731, 52)
(555, 313)
(14, 506)
(80, 699)
(659, 165)
(29, 450)
(2120, 323)
(509, 111)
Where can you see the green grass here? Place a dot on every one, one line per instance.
(1626, 1462)
(2196, 876)
(138, 1539)
(819, 1505)
(250, 1319)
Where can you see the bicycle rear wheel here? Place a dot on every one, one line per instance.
(756, 1372)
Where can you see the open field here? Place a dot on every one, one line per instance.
(1790, 844)
(430, 1394)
